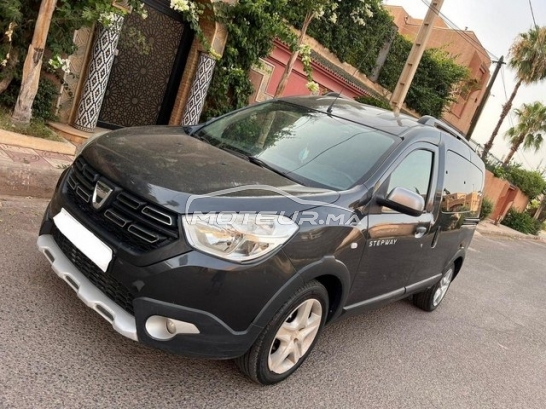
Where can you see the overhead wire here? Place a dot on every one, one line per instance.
(532, 13)
(510, 118)
(472, 41)
(522, 156)
(462, 33)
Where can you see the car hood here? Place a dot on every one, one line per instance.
(165, 165)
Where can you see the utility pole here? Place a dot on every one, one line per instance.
(33, 64)
(404, 82)
(479, 110)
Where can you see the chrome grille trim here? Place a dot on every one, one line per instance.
(129, 201)
(143, 233)
(129, 220)
(83, 194)
(116, 218)
(158, 215)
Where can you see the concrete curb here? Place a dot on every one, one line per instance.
(12, 138)
(18, 179)
(485, 232)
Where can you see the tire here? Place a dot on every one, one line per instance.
(264, 362)
(431, 298)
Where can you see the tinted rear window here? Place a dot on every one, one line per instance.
(463, 186)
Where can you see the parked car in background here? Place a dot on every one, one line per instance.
(241, 238)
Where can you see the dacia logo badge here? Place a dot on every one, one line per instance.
(100, 194)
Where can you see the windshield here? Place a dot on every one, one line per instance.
(310, 147)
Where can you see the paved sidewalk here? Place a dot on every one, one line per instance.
(488, 228)
(34, 157)
(27, 171)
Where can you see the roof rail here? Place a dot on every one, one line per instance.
(336, 94)
(428, 120)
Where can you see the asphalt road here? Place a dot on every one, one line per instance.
(485, 346)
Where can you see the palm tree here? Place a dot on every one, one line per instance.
(528, 58)
(527, 132)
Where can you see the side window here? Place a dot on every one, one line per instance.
(414, 173)
(463, 185)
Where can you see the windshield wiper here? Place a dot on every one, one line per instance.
(201, 138)
(261, 163)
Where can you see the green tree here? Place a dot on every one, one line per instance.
(18, 19)
(527, 132)
(350, 42)
(528, 58)
(431, 89)
(311, 9)
(252, 25)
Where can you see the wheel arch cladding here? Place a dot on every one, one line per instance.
(335, 277)
(335, 293)
(329, 271)
(458, 263)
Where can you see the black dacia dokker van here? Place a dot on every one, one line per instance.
(242, 237)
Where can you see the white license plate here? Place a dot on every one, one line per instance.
(89, 244)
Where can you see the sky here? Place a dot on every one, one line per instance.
(497, 24)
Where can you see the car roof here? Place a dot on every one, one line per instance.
(378, 118)
(382, 119)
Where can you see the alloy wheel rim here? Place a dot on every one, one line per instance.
(441, 291)
(295, 336)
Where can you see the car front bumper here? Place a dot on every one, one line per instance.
(199, 333)
(122, 321)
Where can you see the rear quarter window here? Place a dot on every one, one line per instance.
(463, 186)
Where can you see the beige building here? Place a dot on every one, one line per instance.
(467, 50)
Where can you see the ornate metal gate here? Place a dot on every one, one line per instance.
(144, 79)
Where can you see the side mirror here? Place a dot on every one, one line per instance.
(404, 201)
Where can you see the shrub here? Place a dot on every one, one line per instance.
(487, 208)
(42, 108)
(530, 182)
(522, 222)
(533, 207)
(376, 102)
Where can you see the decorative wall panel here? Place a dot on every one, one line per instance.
(140, 75)
(102, 59)
(199, 89)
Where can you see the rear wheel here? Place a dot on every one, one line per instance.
(429, 299)
(289, 337)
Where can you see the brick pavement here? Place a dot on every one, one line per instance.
(33, 157)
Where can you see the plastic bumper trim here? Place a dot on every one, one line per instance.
(121, 320)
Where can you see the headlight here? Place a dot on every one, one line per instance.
(238, 237)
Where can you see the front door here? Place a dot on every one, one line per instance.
(397, 243)
(147, 69)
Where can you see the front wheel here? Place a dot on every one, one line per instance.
(289, 337)
(429, 299)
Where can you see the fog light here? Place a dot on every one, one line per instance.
(171, 326)
(163, 328)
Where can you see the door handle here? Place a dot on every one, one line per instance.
(420, 232)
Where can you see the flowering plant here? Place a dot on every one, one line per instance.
(8, 34)
(313, 87)
(192, 12)
(60, 63)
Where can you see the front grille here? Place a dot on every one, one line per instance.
(113, 289)
(131, 220)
